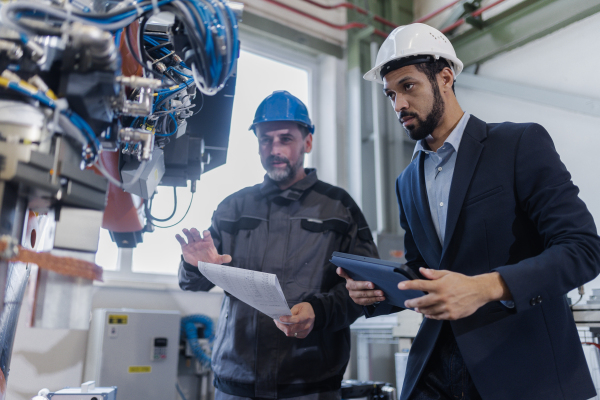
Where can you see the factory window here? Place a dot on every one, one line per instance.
(159, 254)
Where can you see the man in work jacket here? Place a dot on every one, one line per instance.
(289, 225)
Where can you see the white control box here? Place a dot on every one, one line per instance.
(134, 350)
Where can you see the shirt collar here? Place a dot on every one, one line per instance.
(294, 192)
(453, 139)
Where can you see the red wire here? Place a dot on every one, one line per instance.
(481, 10)
(475, 13)
(355, 8)
(352, 25)
(592, 344)
(329, 24)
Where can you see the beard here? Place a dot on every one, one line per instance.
(427, 126)
(286, 174)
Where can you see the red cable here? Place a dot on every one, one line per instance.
(355, 8)
(378, 32)
(481, 10)
(475, 13)
(329, 24)
(592, 344)
(453, 26)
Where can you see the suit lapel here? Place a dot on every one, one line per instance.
(466, 162)
(419, 192)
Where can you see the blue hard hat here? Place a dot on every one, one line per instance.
(281, 105)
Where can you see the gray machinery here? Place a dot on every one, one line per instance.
(135, 350)
(92, 93)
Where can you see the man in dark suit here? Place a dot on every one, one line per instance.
(495, 227)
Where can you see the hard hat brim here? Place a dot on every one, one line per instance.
(373, 74)
(311, 128)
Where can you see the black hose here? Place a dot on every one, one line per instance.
(148, 209)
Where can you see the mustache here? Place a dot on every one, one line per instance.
(277, 159)
(407, 114)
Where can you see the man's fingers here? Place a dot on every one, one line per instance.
(342, 273)
(189, 236)
(433, 310)
(433, 273)
(366, 294)
(422, 302)
(225, 259)
(180, 240)
(418, 284)
(296, 309)
(196, 234)
(289, 319)
(359, 285)
(206, 234)
(368, 301)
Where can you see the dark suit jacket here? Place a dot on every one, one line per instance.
(512, 209)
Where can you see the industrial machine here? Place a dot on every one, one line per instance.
(100, 102)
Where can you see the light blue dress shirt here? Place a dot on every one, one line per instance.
(439, 169)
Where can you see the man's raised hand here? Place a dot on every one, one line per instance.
(200, 248)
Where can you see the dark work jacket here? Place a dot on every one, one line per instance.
(512, 209)
(292, 234)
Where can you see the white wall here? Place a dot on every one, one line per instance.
(565, 61)
(54, 358)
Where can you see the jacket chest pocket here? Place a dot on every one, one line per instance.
(240, 240)
(311, 243)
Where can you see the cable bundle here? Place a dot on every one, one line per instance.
(210, 26)
(72, 124)
(189, 330)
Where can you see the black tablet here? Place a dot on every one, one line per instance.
(385, 275)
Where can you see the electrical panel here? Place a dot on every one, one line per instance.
(135, 350)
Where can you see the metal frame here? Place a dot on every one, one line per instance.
(521, 24)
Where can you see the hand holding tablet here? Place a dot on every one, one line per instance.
(385, 275)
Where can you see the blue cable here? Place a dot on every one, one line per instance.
(180, 391)
(73, 117)
(118, 37)
(189, 330)
(174, 131)
(179, 72)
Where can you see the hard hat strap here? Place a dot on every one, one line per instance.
(403, 62)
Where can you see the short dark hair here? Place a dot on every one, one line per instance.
(431, 69)
(304, 130)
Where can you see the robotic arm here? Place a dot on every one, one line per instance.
(100, 98)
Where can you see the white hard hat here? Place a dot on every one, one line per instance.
(414, 40)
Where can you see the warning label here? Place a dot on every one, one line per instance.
(140, 369)
(115, 319)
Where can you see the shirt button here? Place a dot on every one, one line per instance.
(442, 204)
(439, 168)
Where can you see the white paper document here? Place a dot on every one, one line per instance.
(257, 289)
